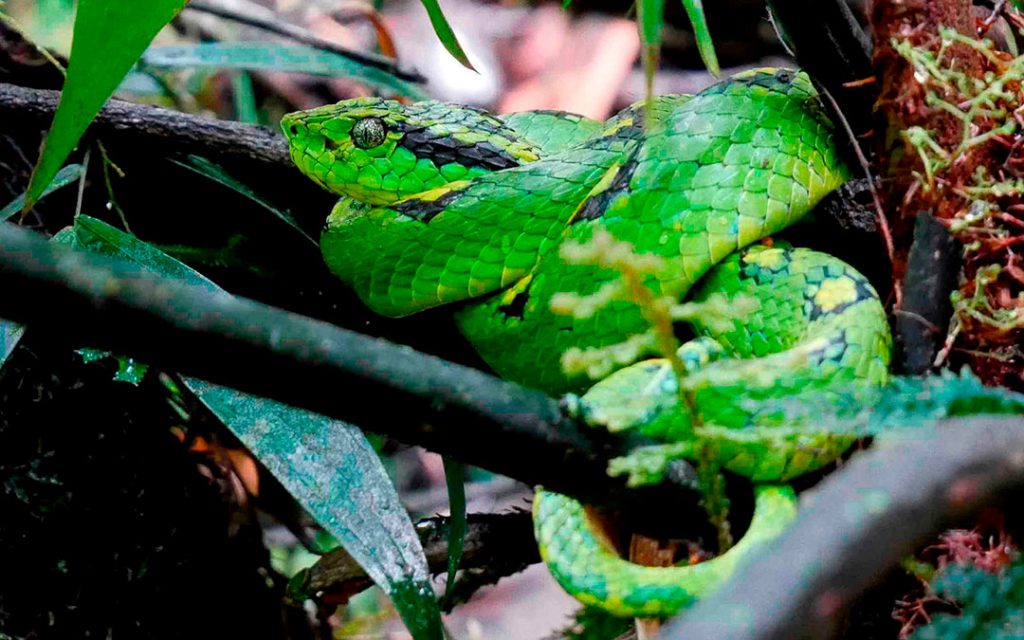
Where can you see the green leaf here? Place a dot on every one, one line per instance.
(331, 469)
(651, 18)
(64, 177)
(455, 479)
(108, 38)
(215, 172)
(263, 56)
(245, 98)
(444, 32)
(11, 334)
(695, 11)
(99, 237)
(328, 465)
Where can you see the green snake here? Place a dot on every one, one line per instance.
(446, 204)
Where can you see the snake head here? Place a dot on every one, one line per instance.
(381, 151)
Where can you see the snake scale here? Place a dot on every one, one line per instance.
(444, 204)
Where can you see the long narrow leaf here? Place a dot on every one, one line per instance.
(265, 56)
(108, 38)
(706, 48)
(455, 479)
(651, 19)
(217, 173)
(68, 175)
(328, 465)
(445, 33)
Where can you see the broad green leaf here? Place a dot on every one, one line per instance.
(455, 479)
(331, 469)
(215, 172)
(695, 11)
(99, 237)
(326, 464)
(264, 56)
(64, 177)
(444, 32)
(109, 36)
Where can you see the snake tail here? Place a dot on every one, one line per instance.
(596, 575)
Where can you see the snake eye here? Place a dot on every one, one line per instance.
(369, 132)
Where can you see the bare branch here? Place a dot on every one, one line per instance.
(857, 524)
(160, 130)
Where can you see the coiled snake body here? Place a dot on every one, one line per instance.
(447, 204)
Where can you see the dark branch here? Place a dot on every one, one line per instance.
(830, 45)
(79, 298)
(493, 540)
(159, 130)
(923, 318)
(857, 525)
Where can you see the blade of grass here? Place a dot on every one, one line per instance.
(651, 20)
(109, 36)
(455, 479)
(215, 172)
(67, 175)
(245, 98)
(445, 33)
(705, 46)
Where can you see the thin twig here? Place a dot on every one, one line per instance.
(305, 37)
(503, 539)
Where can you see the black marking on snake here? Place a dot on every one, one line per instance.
(516, 308)
(556, 113)
(447, 149)
(771, 81)
(426, 210)
(595, 206)
(836, 340)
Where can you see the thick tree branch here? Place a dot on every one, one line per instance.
(857, 525)
(828, 43)
(80, 298)
(160, 130)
